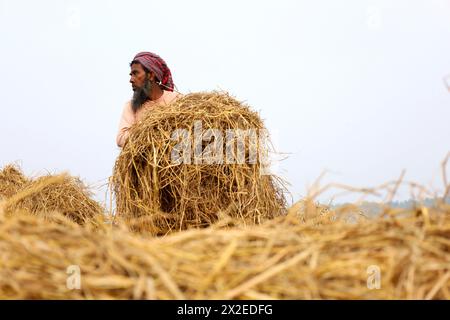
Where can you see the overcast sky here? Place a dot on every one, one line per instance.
(355, 87)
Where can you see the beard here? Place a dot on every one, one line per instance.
(141, 95)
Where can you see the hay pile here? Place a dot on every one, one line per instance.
(48, 195)
(282, 259)
(156, 194)
(11, 181)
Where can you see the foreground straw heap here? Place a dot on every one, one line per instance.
(47, 196)
(157, 194)
(280, 259)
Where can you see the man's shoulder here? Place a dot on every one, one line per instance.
(172, 93)
(127, 105)
(127, 110)
(172, 96)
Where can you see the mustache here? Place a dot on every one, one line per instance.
(141, 95)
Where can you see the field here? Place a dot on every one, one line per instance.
(210, 230)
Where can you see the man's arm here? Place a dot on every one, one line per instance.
(126, 121)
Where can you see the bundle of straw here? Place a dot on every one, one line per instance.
(285, 258)
(11, 181)
(157, 194)
(54, 194)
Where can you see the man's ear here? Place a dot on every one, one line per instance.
(151, 76)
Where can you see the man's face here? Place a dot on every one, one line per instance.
(138, 76)
(142, 84)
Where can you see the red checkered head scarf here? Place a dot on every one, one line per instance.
(157, 65)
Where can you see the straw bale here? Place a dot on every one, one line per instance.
(154, 193)
(53, 194)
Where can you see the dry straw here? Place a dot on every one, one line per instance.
(158, 195)
(11, 181)
(281, 259)
(49, 195)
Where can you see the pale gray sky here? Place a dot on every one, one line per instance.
(355, 87)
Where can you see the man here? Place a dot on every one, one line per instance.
(152, 84)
